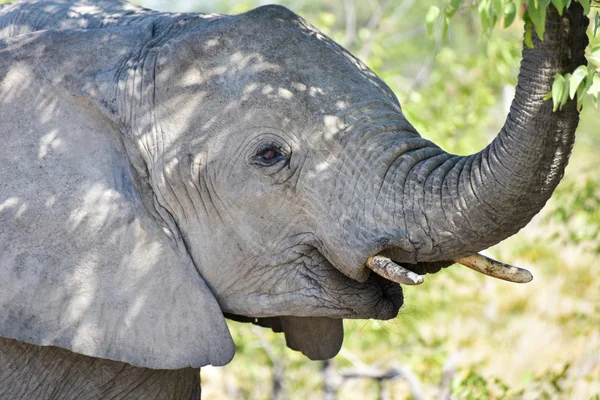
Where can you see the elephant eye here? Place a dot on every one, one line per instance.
(268, 155)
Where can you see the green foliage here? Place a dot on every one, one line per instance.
(491, 12)
(453, 76)
(476, 387)
(584, 81)
(560, 5)
(559, 91)
(510, 13)
(550, 384)
(535, 14)
(432, 14)
(578, 216)
(577, 81)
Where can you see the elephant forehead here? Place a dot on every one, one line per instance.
(267, 55)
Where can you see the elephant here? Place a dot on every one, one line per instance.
(164, 171)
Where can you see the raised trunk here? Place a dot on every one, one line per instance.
(466, 204)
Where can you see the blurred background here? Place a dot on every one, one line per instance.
(459, 335)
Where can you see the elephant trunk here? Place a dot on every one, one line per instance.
(465, 204)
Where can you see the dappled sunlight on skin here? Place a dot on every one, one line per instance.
(54, 15)
(152, 171)
(165, 120)
(197, 130)
(20, 75)
(87, 271)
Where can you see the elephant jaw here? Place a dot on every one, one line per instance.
(318, 338)
(388, 269)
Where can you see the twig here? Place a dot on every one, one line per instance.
(350, 35)
(330, 380)
(376, 19)
(381, 376)
(278, 367)
(449, 371)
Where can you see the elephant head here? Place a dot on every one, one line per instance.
(171, 168)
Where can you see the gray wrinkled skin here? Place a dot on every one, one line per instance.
(168, 168)
(55, 373)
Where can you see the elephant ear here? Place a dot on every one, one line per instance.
(88, 262)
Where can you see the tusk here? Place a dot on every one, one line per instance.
(388, 269)
(496, 269)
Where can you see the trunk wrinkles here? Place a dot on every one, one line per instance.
(466, 204)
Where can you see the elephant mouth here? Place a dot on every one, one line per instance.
(412, 274)
(391, 295)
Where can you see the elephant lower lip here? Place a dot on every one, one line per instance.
(392, 296)
(375, 297)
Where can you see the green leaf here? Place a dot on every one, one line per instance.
(489, 12)
(450, 12)
(596, 22)
(528, 33)
(445, 28)
(580, 98)
(589, 80)
(558, 88)
(594, 57)
(484, 16)
(560, 5)
(542, 26)
(581, 93)
(432, 15)
(453, 8)
(537, 14)
(594, 88)
(565, 92)
(497, 9)
(510, 12)
(586, 6)
(576, 79)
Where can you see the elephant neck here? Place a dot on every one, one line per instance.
(35, 372)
